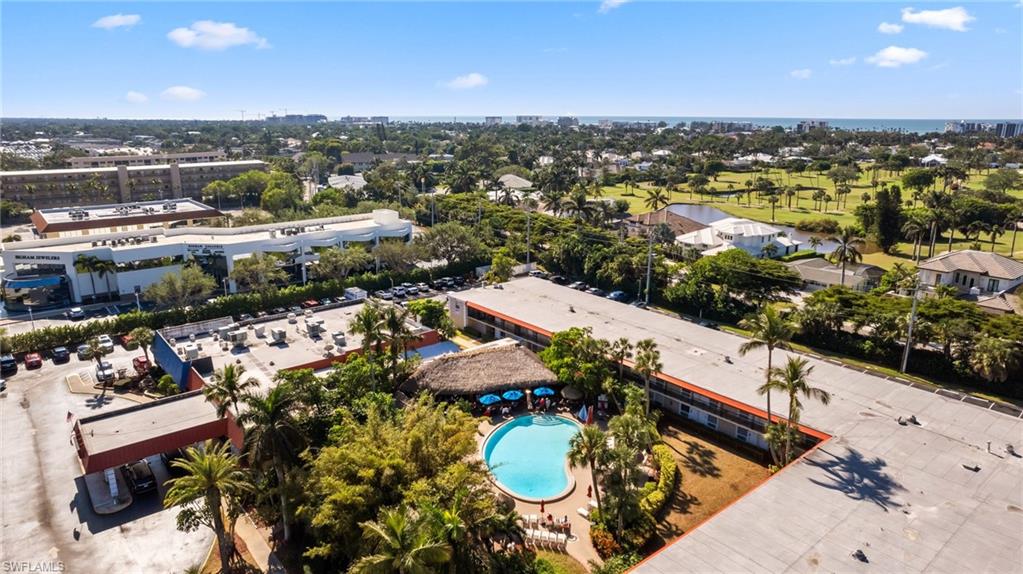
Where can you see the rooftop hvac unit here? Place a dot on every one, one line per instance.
(277, 335)
(339, 338)
(238, 337)
(260, 331)
(223, 331)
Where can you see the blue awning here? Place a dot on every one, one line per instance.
(33, 282)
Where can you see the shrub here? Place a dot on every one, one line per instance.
(618, 564)
(655, 501)
(166, 386)
(801, 254)
(544, 566)
(823, 225)
(603, 542)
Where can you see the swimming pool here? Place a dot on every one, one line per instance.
(528, 456)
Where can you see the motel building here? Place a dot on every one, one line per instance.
(895, 477)
(42, 273)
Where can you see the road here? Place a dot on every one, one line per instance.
(47, 519)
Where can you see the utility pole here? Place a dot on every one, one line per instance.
(529, 211)
(649, 262)
(909, 331)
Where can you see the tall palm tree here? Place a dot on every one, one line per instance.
(793, 380)
(228, 387)
(144, 337)
(619, 351)
(577, 206)
(87, 264)
(367, 324)
(211, 474)
(996, 231)
(588, 447)
(106, 269)
(655, 199)
(769, 330)
(397, 334)
(914, 229)
(847, 248)
(402, 543)
(648, 362)
(272, 436)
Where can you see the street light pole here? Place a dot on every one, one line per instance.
(225, 286)
(909, 331)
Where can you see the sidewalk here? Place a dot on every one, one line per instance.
(257, 541)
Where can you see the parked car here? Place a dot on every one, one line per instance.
(296, 309)
(459, 281)
(578, 285)
(412, 290)
(60, 355)
(620, 296)
(597, 291)
(3, 385)
(279, 310)
(76, 314)
(141, 364)
(708, 324)
(168, 459)
(639, 303)
(423, 287)
(407, 285)
(140, 477)
(310, 303)
(384, 294)
(84, 352)
(538, 273)
(106, 343)
(8, 365)
(104, 372)
(398, 292)
(244, 317)
(558, 279)
(326, 301)
(33, 361)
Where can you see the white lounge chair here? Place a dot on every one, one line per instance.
(584, 512)
(561, 540)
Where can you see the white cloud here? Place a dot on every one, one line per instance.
(467, 82)
(182, 94)
(801, 74)
(949, 18)
(895, 56)
(210, 35)
(842, 61)
(134, 97)
(608, 5)
(117, 21)
(888, 28)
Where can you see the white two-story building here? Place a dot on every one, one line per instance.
(976, 272)
(48, 273)
(735, 233)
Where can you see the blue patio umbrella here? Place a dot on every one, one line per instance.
(490, 399)
(543, 392)
(512, 395)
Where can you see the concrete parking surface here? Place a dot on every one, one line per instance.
(47, 519)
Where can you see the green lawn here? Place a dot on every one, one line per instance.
(563, 563)
(803, 207)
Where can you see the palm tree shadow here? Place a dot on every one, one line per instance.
(858, 478)
(700, 460)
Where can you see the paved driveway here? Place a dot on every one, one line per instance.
(47, 520)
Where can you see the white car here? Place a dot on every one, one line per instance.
(106, 343)
(76, 313)
(104, 372)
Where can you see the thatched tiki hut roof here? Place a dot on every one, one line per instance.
(491, 368)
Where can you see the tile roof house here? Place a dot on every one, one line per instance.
(818, 273)
(972, 271)
(679, 225)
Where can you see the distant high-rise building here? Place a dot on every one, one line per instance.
(807, 125)
(965, 127)
(529, 120)
(296, 119)
(568, 121)
(1009, 129)
(493, 120)
(364, 120)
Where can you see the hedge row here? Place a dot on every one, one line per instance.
(655, 501)
(234, 305)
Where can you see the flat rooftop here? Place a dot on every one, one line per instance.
(144, 422)
(183, 208)
(901, 494)
(113, 169)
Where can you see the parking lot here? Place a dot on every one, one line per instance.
(47, 518)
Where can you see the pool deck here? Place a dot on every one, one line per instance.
(579, 545)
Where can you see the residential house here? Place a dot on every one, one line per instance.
(637, 224)
(736, 233)
(819, 273)
(974, 272)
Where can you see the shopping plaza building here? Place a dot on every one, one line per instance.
(897, 476)
(43, 273)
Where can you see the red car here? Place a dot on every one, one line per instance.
(33, 361)
(141, 365)
(310, 303)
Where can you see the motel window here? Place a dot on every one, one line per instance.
(712, 422)
(683, 409)
(741, 433)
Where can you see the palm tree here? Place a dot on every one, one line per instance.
(915, 228)
(577, 206)
(769, 251)
(656, 199)
(994, 358)
(996, 231)
(619, 352)
(768, 329)
(211, 475)
(792, 379)
(648, 362)
(847, 248)
(367, 324)
(402, 543)
(396, 333)
(272, 436)
(228, 388)
(815, 242)
(88, 264)
(144, 337)
(588, 447)
(106, 269)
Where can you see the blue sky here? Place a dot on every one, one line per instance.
(793, 59)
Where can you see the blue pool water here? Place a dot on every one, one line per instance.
(527, 455)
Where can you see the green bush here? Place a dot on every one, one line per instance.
(655, 501)
(801, 254)
(823, 225)
(543, 566)
(603, 542)
(617, 564)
